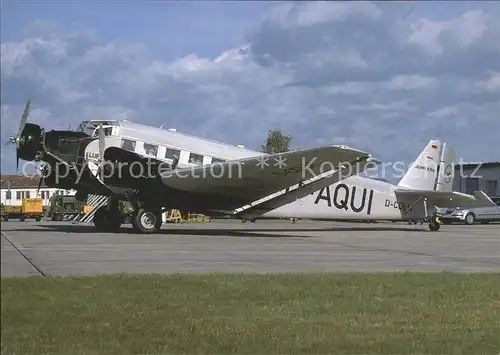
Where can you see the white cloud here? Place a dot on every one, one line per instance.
(353, 73)
(444, 112)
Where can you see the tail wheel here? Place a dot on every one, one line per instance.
(470, 218)
(147, 221)
(434, 224)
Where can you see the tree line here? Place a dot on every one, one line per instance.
(276, 142)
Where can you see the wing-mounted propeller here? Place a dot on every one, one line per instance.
(102, 144)
(28, 138)
(102, 148)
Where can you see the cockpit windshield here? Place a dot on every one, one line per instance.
(90, 127)
(108, 131)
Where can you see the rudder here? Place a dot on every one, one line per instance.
(446, 171)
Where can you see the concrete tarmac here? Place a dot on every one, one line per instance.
(62, 248)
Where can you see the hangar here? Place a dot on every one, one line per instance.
(470, 177)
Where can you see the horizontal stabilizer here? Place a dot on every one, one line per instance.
(448, 199)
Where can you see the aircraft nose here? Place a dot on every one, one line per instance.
(29, 142)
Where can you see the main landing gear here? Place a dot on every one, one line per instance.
(145, 219)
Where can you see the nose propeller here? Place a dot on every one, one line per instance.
(18, 140)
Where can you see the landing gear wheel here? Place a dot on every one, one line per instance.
(146, 221)
(470, 218)
(105, 221)
(434, 224)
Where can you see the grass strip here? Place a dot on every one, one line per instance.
(386, 313)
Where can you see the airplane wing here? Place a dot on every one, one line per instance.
(449, 199)
(269, 203)
(239, 182)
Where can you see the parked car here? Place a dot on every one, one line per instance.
(472, 215)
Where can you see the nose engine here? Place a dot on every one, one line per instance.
(29, 142)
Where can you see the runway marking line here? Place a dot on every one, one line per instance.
(22, 254)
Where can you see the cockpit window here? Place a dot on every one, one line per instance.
(108, 131)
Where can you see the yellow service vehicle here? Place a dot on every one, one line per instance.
(30, 208)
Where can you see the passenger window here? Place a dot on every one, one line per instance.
(215, 160)
(128, 145)
(171, 153)
(195, 159)
(150, 149)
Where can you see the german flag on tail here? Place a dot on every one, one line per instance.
(434, 146)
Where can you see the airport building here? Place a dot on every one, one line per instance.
(14, 188)
(470, 177)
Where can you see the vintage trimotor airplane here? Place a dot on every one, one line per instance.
(427, 184)
(156, 169)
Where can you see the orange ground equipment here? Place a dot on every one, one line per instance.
(30, 208)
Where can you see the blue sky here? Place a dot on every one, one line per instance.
(386, 77)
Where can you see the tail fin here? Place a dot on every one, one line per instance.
(423, 173)
(446, 171)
